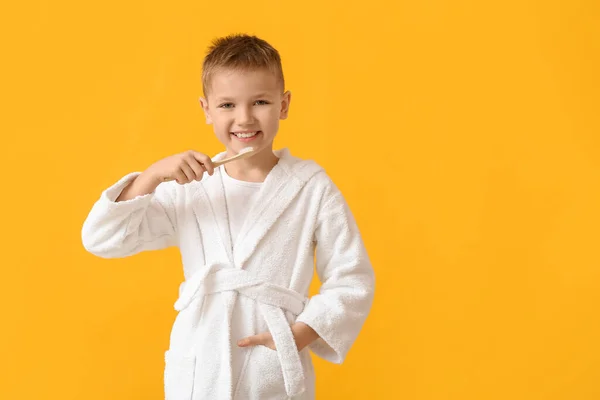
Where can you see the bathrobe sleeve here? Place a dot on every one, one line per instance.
(120, 229)
(340, 309)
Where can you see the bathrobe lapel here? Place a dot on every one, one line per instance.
(280, 188)
(209, 202)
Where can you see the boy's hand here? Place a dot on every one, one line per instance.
(303, 335)
(183, 168)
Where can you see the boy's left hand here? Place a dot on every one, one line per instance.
(303, 335)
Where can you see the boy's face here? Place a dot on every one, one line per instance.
(245, 108)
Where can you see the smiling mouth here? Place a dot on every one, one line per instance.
(245, 135)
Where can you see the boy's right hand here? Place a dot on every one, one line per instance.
(183, 168)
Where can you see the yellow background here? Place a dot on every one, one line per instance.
(464, 135)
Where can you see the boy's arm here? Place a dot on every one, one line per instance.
(143, 184)
(339, 311)
(133, 215)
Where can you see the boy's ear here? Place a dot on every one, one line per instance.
(204, 105)
(285, 105)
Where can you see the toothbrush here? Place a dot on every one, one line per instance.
(244, 153)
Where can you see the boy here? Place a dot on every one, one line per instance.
(248, 232)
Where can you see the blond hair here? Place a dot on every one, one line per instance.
(243, 53)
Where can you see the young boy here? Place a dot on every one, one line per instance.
(248, 233)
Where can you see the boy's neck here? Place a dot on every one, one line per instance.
(253, 169)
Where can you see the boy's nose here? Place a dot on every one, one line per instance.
(244, 116)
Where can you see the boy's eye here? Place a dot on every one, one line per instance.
(257, 102)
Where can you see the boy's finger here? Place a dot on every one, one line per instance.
(206, 162)
(250, 341)
(196, 166)
(262, 338)
(188, 171)
(246, 342)
(179, 176)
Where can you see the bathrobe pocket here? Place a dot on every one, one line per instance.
(262, 378)
(179, 376)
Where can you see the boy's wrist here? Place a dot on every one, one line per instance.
(304, 335)
(149, 180)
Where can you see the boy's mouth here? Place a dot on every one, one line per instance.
(245, 134)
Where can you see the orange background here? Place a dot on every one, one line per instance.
(464, 135)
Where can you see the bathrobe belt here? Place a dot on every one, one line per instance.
(273, 301)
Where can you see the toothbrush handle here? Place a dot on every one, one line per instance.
(225, 161)
(220, 162)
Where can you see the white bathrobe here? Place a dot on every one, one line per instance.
(258, 284)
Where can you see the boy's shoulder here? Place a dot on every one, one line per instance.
(316, 180)
(304, 169)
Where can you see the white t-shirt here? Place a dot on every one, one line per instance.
(240, 196)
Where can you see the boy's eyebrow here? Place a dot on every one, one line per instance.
(263, 94)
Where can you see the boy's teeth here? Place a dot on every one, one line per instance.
(245, 135)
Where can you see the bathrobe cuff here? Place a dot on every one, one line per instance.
(325, 346)
(133, 207)
(110, 195)
(119, 229)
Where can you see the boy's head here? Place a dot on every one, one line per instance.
(243, 85)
